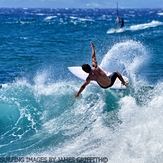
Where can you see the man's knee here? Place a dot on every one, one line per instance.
(117, 72)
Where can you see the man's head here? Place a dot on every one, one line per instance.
(86, 68)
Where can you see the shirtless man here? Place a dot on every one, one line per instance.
(98, 75)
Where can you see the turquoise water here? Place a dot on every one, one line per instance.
(39, 116)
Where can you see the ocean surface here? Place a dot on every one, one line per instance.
(40, 121)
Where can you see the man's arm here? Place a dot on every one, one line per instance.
(94, 61)
(82, 88)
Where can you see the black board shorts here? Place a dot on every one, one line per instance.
(112, 77)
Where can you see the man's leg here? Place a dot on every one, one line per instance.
(121, 79)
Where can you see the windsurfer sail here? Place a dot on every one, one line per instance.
(118, 20)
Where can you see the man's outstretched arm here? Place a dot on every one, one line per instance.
(82, 88)
(94, 61)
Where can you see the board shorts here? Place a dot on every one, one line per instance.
(112, 77)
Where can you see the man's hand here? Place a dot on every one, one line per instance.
(82, 88)
(76, 96)
(92, 45)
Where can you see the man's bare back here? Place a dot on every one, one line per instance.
(99, 76)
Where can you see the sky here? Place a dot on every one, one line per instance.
(82, 3)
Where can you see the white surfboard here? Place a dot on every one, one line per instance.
(77, 71)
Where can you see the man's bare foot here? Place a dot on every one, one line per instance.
(126, 83)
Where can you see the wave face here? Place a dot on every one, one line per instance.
(38, 114)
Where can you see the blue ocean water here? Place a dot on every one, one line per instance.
(39, 116)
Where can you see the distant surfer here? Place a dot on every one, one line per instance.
(98, 75)
(122, 23)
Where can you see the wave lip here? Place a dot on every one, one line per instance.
(126, 56)
(160, 13)
(137, 27)
(152, 24)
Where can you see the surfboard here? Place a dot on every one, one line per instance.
(78, 72)
(114, 30)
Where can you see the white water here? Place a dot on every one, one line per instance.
(130, 133)
(123, 128)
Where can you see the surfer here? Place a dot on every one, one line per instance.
(98, 75)
(122, 23)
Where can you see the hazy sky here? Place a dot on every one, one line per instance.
(82, 3)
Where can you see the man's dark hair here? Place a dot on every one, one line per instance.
(86, 68)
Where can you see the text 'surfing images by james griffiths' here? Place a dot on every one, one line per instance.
(54, 159)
